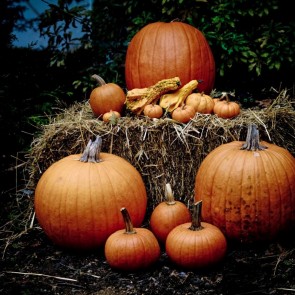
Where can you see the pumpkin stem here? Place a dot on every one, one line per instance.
(91, 153)
(196, 216)
(100, 81)
(252, 139)
(224, 95)
(127, 220)
(169, 195)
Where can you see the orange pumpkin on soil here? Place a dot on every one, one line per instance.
(248, 189)
(78, 198)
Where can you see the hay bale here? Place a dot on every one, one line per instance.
(162, 150)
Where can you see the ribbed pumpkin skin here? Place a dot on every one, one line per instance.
(249, 195)
(165, 217)
(226, 110)
(131, 252)
(106, 98)
(196, 249)
(202, 103)
(165, 50)
(78, 204)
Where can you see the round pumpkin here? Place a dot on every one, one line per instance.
(131, 248)
(226, 109)
(202, 103)
(167, 215)
(196, 244)
(248, 189)
(153, 111)
(165, 50)
(78, 198)
(183, 113)
(106, 97)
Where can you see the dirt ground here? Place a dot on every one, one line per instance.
(31, 264)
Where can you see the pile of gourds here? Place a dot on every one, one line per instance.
(243, 191)
(175, 80)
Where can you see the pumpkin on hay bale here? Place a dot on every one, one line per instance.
(162, 150)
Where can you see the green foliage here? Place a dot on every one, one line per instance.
(249, 37)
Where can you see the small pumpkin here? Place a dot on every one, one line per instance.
(153, 111)
(196, 244)
(202, 103)
(183, 113)
(131, 248)
(106, 97)
(167, 215)
(226, 109)
(111, 116)
(77, 199)
(248, 189)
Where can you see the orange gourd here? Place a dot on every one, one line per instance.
(201, 102)
(106, 97)
(226, 109)
(165, 50)
(131, 248)
(111, 116)
(248, 189)
(153, 111)
(196, 244)
(183, 113)
(167, 215)
(78, 198)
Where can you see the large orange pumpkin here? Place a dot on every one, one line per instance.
(248, 189)
(78, 198)
(165, 50)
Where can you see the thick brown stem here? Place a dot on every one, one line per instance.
(196, 216)
(128, 224)
(252, 139)
(169, 195)
(91, 153)
(100, 81)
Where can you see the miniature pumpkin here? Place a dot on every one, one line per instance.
(131, 248)
(183, 113)
(78, 198)
(153, 111)
(167, 215)
(106, 97)
(196, 244)
(111, 116)
(226, 109)
(202, 103)
(248, 189)
(164, 50)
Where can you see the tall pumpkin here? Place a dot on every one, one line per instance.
(248, 189)
(78, 198)
(165, 50)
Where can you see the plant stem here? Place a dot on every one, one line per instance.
(100, 81)
(196, 216)
(91, 153)
(127, 220)
(252, 139)
(169, 195)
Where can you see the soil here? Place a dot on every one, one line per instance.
(32, 264)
